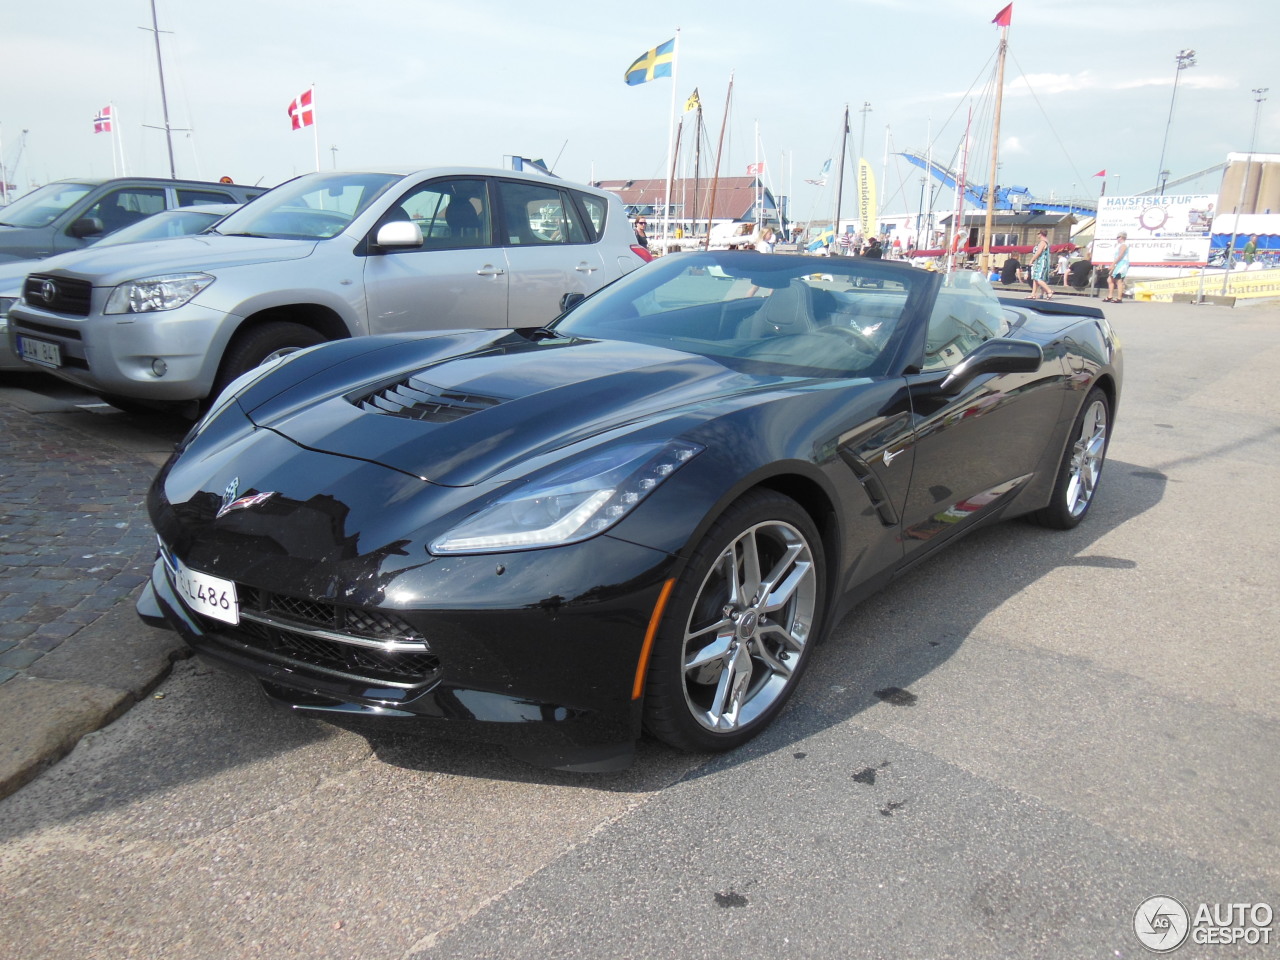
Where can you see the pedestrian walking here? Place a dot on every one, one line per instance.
(1119, 270)
(1040, 269)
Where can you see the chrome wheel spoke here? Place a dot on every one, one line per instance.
(731, 689)
(712, 652)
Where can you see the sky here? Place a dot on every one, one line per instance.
(1089, 86)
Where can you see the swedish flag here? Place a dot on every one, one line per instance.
(656, 63)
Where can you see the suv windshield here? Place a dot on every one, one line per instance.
(41, 207)
(314, 207)
(790, 316)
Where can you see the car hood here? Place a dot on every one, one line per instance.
(477, 404)
(107, 266)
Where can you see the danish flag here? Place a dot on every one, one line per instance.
(301, 113)
(102, 122)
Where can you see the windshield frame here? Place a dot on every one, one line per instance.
(883, 301)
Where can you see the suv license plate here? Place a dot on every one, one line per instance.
(40, 351)
(212, 596)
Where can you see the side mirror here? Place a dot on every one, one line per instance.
(571, 300)
(86, 227)
(399, 233)
(994, 356)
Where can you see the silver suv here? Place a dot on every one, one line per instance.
(322, 257)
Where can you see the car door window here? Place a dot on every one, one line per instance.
(123, 207)
(191, 198)
(965, 314)
(538, 215)
(596, 209)
(450, 213)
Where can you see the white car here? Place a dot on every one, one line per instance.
(323, 257)
(179, 222)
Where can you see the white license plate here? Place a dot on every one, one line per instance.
(212, 596)
(40, 351)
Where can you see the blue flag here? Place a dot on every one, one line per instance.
(656, 63)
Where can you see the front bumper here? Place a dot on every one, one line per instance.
(549, 676)
(119, 354)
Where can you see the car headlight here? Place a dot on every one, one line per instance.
(156, 293)
(573, 503)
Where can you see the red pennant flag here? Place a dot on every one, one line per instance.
(1101, 173)
(1004, 17)
(301, 113)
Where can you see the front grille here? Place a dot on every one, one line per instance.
(352, 642)
(59, 294)
(416, 399)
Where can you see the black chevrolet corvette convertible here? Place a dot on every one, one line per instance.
(640, 517)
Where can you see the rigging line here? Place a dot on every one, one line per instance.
(1044, 113)
(964, 97)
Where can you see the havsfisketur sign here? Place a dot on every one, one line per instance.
(1172, 231)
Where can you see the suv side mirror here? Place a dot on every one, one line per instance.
(571, 300)
(994, 356)
(86, 227)
(399, 233)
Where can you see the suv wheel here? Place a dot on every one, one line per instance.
(259, 344)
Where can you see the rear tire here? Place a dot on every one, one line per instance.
(1081, 467)
(255, 346)
(737, 632)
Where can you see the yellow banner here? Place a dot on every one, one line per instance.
(1242, 284)
(867, 199)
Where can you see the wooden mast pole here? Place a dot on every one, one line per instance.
(995, 148)
(835, 222)
(715, 177)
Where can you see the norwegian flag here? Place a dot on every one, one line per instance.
(301, 113)
(102, 122)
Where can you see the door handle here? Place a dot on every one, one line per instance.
(585, 267)
(489, 270)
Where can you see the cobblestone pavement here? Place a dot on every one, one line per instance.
(74, 537)
(75, 546)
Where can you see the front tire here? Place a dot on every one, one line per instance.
(253, 347)
(739, 627)
(1081, 467)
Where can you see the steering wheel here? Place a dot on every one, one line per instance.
(859, 339)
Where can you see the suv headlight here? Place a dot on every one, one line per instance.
(156, 293)
(571, 504)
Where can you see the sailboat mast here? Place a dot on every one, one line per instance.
(844, 139)
(995, 153)
(715, 178)
(164, 102)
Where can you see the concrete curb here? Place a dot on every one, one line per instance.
(90, 680)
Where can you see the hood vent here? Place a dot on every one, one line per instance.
(416, 399)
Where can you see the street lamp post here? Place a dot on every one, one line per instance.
(1185, 59)
(1259, 95)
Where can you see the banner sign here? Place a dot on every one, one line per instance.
(867, 200)
(1171, 231)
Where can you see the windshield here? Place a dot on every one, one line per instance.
(41, 207)
(171, 223)
(782, 314)
(315, 207)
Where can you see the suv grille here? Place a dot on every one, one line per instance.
(416, 399)
(353, 642)
(59, 294)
